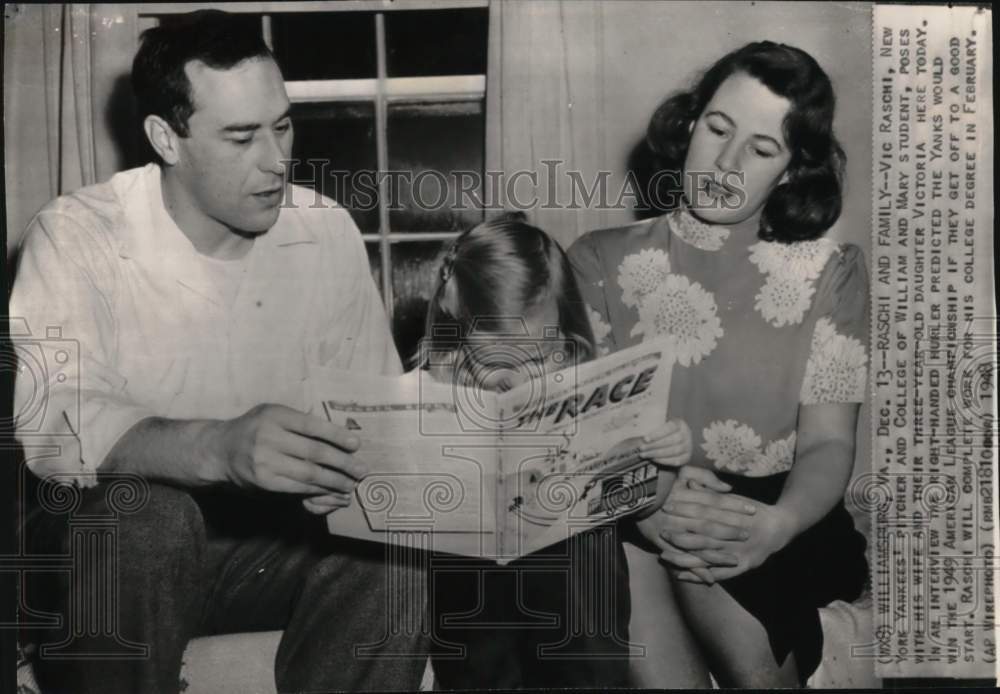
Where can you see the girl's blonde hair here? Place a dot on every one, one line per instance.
(503, 268)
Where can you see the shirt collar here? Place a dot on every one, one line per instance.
(151, 234)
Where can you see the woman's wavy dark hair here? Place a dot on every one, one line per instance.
(503, 268)
(809, 202)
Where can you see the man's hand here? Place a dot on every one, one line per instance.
(325, 504)
(279, 449)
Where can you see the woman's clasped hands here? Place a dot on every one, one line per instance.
(706, 533)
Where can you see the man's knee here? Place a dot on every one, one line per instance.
(151, 524)
(151, 546)
(168, 526)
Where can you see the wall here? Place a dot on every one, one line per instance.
(68, 112)
(646, 50)
(653, 49)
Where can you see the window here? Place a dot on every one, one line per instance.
(392, 97)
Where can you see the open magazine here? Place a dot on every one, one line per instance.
(500, 475)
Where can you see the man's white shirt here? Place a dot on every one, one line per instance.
(127, 320)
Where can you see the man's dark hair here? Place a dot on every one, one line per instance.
(218, 39)
(808, 204)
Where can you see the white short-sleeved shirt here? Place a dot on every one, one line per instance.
(117, 317)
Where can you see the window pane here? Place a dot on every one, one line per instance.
(342, 136)
(324, 46)
(414, 276)
(375, 263)
(242, 22)
(436, 42)
(437, 149)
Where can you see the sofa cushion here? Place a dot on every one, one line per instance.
(240, 664)
(231, 664)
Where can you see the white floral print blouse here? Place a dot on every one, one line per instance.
(790, 329)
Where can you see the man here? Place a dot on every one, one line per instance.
(201, 305)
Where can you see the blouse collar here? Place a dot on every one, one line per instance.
(707, 237)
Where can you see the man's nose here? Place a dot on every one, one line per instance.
(273, 158)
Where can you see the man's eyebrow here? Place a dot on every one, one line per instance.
(251, 127)
(759, 136)
(241, 128)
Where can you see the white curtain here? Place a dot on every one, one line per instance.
(62, 64)
(546, 101)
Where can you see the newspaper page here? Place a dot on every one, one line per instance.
(499, 475)
(934, 344)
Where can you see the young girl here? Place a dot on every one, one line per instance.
(769, 321)
(558, 617)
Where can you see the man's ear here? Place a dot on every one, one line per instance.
(162, 138)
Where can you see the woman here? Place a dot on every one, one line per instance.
(769, 322)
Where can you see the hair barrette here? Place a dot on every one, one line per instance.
(448, 264)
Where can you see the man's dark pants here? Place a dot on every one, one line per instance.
(197, 564)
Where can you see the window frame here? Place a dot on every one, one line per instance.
(382, 91)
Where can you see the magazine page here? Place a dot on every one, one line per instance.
(427, 474)
(570, 459)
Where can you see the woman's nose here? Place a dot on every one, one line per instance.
(728, 158)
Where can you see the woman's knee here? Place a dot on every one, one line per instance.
(669, 655)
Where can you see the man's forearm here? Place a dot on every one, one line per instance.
(181, 452)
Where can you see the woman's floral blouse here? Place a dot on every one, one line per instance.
(759, 328)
